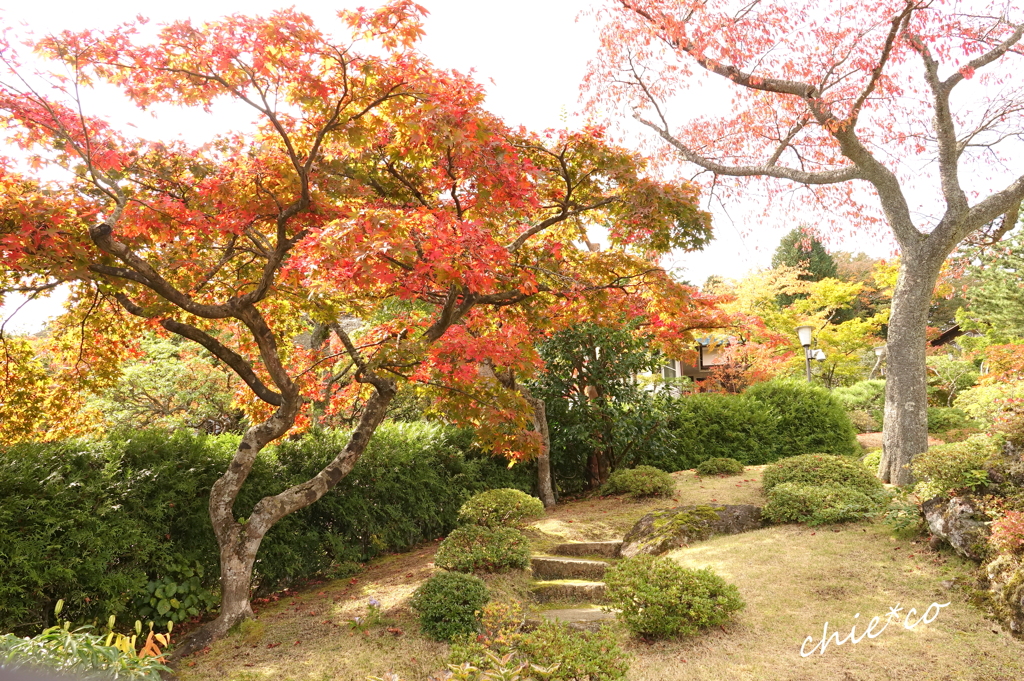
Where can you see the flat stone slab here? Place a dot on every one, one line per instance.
(553, 567)
(569, 590)
(588, 619)
(609, 549)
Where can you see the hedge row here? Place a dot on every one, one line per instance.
(769, 421)
(96, 523)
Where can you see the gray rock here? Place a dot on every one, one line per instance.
(663, 531)
(958, 521)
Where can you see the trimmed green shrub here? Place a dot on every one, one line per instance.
(105, 525)
(822, 469)
(767, 422)
(473, 548)
(640, 482)
(658, 598)
(448, 603)
(942, 419)
(500, 508)
(564, 652)
(720, 466)
(806, 418)
(865, 396)
(872, 460)
(714, 425)
(957, 465)
(864, 422)
(817, 504)
(591, 655)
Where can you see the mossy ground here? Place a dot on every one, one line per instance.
(793, 579)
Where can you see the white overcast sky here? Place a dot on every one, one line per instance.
(531, 55)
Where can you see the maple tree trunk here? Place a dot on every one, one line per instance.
(239, 539)
(545, 490)
(905, 429)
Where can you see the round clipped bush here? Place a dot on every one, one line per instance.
(872, 460)
(807, 418)
(448, 603)
(640, 482)
(472, 548)
(792, 502)
(822, 469)
(957, 465)
(500, 508)
(658, 598)
(720, 466)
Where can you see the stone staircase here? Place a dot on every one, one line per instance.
(567, 577)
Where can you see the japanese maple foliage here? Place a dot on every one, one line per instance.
(374, 200)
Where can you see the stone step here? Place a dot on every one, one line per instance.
(569, 590)
(553, 567)
(588, 618)
(609, 549)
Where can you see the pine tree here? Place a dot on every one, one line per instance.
(800, 248)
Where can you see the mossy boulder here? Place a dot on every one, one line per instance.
(671, 528)
(1006, 591)
(960, 522)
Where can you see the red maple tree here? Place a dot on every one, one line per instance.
(372, 187)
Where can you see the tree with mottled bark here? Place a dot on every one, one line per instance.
(371, 186)
(912, 107)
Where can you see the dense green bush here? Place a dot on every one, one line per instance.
(580, 655)
(658, 598)
(473, 548)
(553, 651)
(104, 525)
(872, 460)
(864, 422)
(714, 425)
(822, 469)
(640, 482)
(817, 504)
(806, 418)
(942, 419)
(865, 396)
(990, 403)
(957, 465)
(500, 508)
(720, 466)
(448, 604)
(767, 422)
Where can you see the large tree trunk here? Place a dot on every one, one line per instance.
(905, 430)
(545, 490)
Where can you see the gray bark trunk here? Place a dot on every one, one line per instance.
(239, 539)
(905, 429)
